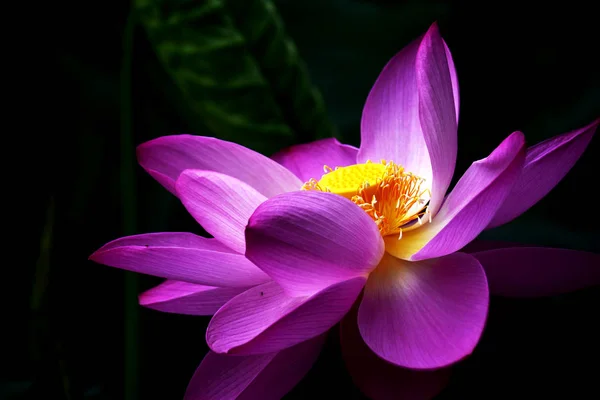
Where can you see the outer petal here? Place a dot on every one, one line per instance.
(264, 319)
(187, 298)
(308, 240)
(468, 208)
(265, 376)
(307, 160)
(538, 271)
(166, 157)
(380, 380)
(546, 164)
(424, 315)
(220, 203)
(437, 112)
(180, 256)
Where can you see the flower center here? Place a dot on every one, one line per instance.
(394, 198)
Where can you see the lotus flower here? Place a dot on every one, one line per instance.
(298, 238)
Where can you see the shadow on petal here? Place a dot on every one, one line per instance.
(538, 271)
(265, 376)
(380, 380)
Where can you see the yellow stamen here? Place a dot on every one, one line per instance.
(385, 191)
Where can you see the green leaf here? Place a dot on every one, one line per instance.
(241, 75)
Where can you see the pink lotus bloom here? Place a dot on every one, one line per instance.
(294, 245)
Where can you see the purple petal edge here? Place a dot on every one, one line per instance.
(546, 164)
(187, 298)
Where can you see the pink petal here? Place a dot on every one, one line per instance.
(468, 208)
(264, 319)
(380, 380)
(180, 256)
(222, 377)
(454, 80)
(307, 160)
(546, 164)
(166, 239)
(220, 203)
(264, 376)
(411, 112)
(437, 112)
(390, 127)
(538, 271)
(187, 298)
(426, 314)
(285, 371)
(168, 156)
(309, 240)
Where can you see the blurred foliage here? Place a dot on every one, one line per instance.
(241, 75)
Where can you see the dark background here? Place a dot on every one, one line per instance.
(520, 66)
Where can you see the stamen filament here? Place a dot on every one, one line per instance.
(391, 196)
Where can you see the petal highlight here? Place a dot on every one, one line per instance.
(437, 112)
(390, 119)
(454, 79)
(427, 314)
(307, 160)
(380, 380)
(538, 271)
(307, 241)
(264, 319)
(187, 298)
(165, 158)
(220, 203)
(180, 256)
(265, 376)
(411, 113)
(546, 164)
(468, 208)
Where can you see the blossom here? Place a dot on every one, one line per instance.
(298, 239)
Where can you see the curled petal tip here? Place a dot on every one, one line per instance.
(434, 30)
(432, 35)
(95, 256)
(518, 134)
(593, 125)
(434, 27)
